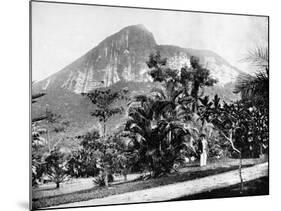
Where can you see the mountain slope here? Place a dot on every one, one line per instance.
(120, 61)
(122, 57)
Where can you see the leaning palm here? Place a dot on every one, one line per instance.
(255, 88)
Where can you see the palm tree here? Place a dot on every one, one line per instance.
(157, 137)
(255, 88)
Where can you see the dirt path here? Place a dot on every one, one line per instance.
(178, 190)
(80, 184)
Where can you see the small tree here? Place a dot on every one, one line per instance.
(199, 77)
(37, 144)
(55, 165)
(56, 125)
(124, 158)
(232, 121)
(83, 162)
(99, 156)
(104, 100)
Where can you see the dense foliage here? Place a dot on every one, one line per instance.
(159, 123)
(162, 128)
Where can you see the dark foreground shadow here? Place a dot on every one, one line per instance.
(256, 187)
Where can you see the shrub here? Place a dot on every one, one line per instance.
(101, 179)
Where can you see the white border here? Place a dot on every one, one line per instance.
(14, 88)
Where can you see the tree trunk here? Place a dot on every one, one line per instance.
(261, 150)
(57, 184)
(194, 94)
(240, 173)
(106, 179)
(48, 137)
(48, 134)
(125, 177)
(170, 137)
(240, 159)
(194, 106)
(104, 129)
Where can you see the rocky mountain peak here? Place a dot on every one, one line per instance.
(135, 37)
(117, 62)
(122, 57)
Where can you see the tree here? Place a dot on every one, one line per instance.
(181, 87)
(99, 156)
(83, 162)
(124, 158)
(158, 141)
(235, 124)
(158, 122)
(180, 93)
(173, 89)
(199, 77)
(37, 144)
(104, 100)
(254, 89)
(55, 165)
(55, 124)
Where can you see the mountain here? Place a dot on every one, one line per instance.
(122, 57)
(120, 61)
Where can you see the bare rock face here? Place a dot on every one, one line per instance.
(119, 62)
(122, 57)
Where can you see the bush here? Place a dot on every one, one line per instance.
(100, 180)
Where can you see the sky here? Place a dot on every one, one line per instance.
(62, 33)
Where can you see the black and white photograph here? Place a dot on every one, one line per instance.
(137, 105)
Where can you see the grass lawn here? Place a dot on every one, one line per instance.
(100, 192)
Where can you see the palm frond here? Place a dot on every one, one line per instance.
(159, 92)
(258, 56)
(253, 86)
